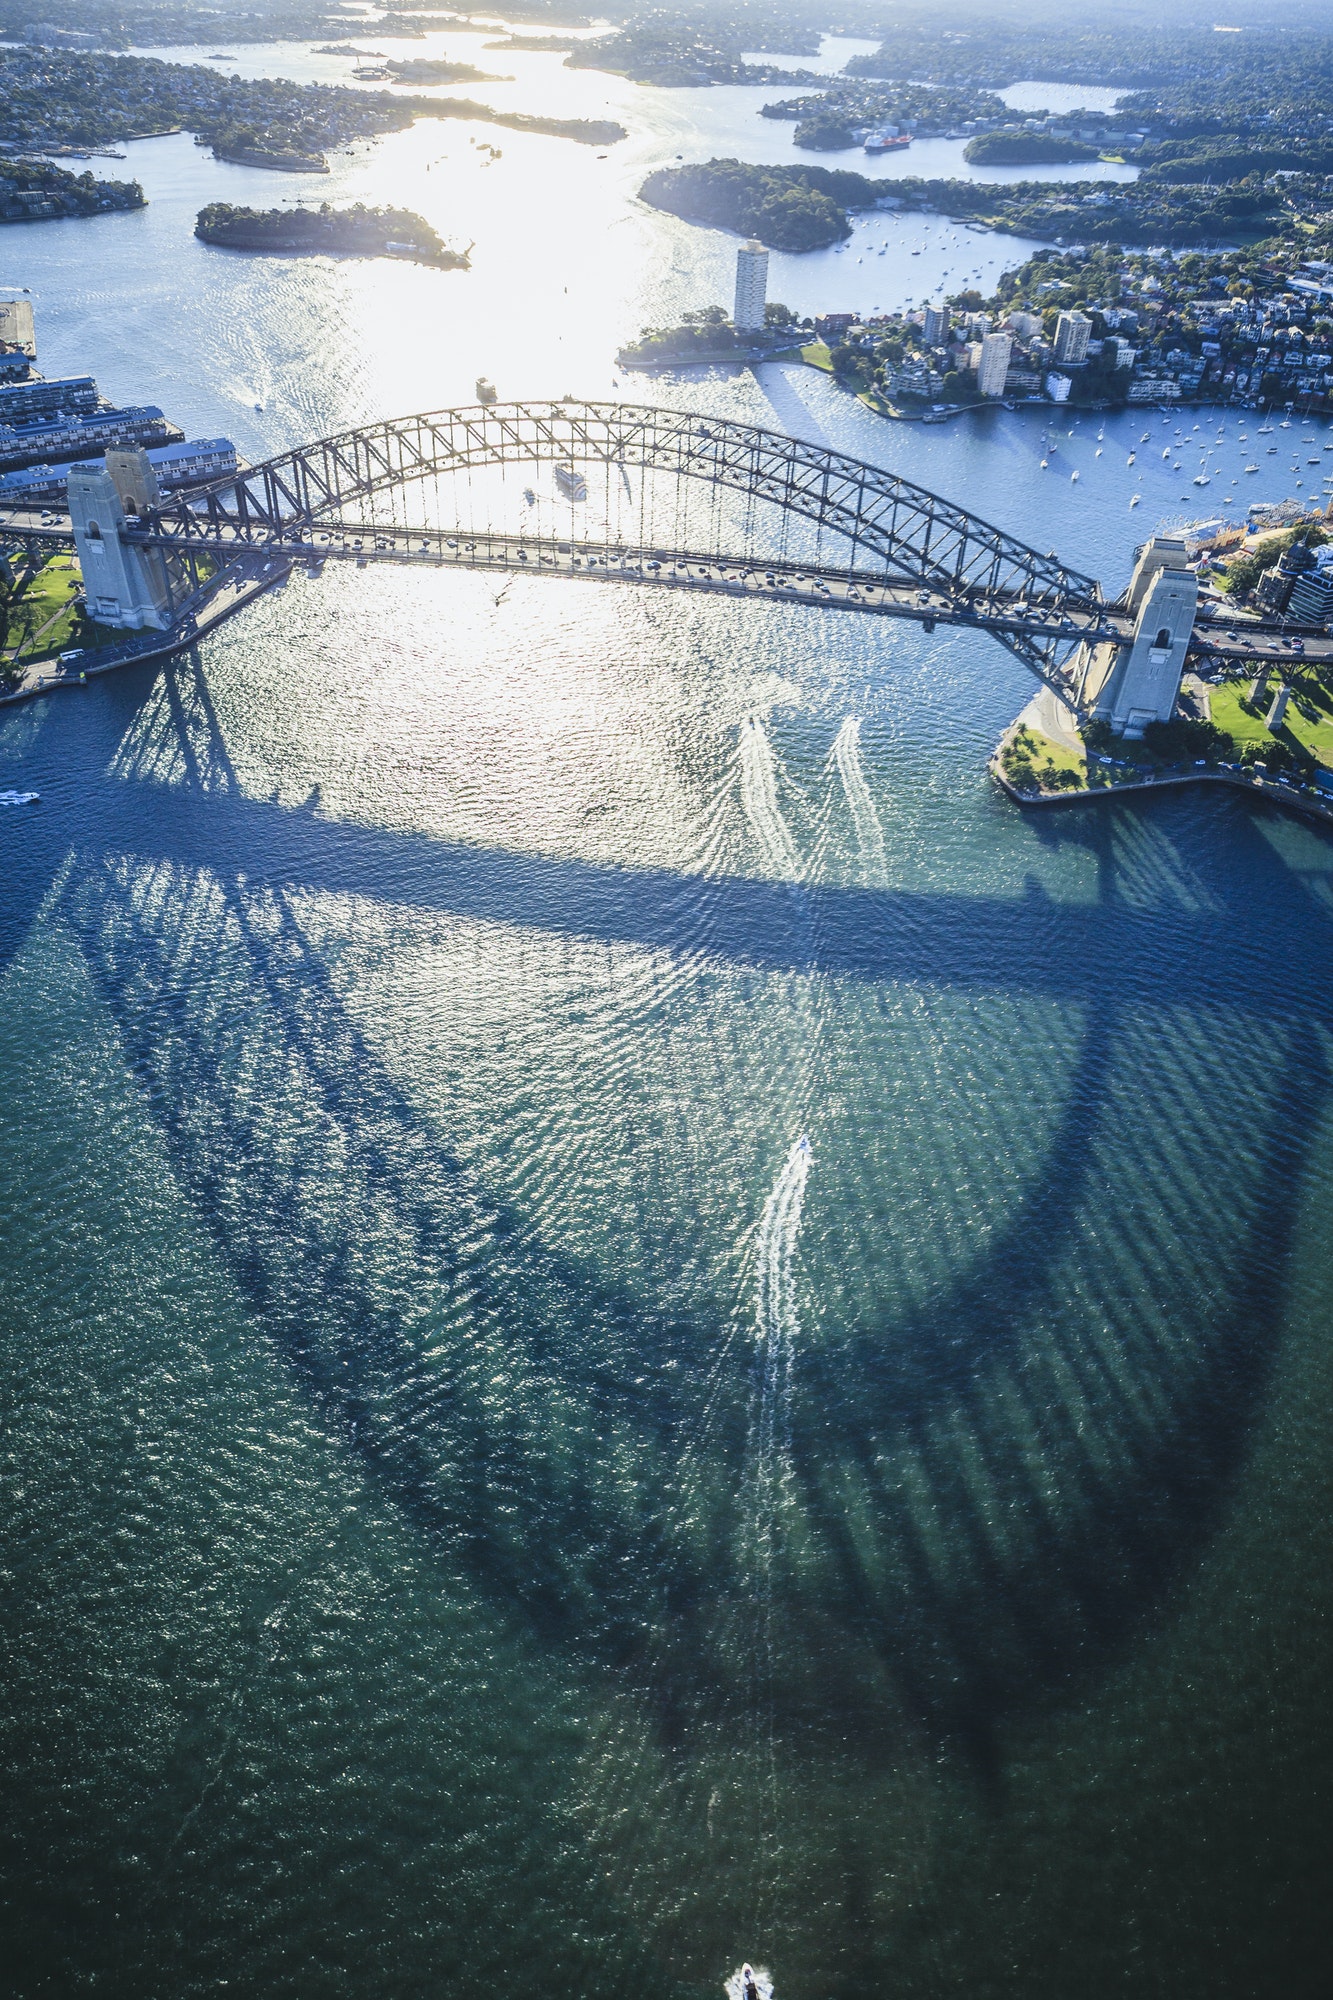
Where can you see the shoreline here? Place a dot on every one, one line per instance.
(161, 647)
(1275, 790)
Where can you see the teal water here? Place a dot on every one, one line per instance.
(483, 1503)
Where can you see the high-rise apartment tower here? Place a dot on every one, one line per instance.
(994, 363)
(751, 287)
(1072, 333)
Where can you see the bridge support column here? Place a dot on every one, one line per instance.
(1144, 683)
(125, 586)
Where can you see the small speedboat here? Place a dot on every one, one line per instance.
(1136, 499)
(19, 798)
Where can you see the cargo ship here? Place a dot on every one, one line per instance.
(886, 142)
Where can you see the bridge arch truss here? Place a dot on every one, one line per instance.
(872, 541)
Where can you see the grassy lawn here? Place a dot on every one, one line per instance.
(44, 622)
(32, 632)
(1308, 724)
(1047, 758)
(817, 355)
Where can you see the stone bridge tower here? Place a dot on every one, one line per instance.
(1144, 682)
(125, 586)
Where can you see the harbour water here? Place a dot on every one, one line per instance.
(640, 1326)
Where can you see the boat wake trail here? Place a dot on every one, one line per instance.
(869, 832)
(759, 796)
(776, 1323)
(777, 1330)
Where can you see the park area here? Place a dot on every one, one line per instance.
(42, 616)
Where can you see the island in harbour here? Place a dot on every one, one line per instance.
(355, 232)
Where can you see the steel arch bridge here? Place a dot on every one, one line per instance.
(875, 542)
(870, 541)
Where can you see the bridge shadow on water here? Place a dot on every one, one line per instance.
(986, 1496)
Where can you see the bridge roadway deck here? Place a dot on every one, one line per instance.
(780, 581)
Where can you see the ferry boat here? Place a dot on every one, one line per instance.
(487, 391)
(571, 482)
(886, 142)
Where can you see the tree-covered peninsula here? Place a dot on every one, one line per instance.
(53, 101)
(342, 232)
(1026, 149)
(789, 208)
(806, 207)
(36, 191)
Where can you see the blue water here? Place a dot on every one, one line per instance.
(641, 1326)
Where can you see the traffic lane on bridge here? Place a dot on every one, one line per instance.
(778, 580)
(909, 599)
(784, 580)
(1236, 954)
(775, 581)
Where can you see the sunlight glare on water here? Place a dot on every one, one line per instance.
(640, 1324)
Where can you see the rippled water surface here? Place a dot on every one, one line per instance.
(640, 1326)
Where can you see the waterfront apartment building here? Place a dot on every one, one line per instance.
(1073, 330)
(935, 328)
(751, 288)
(993, 363)
(1311, 601)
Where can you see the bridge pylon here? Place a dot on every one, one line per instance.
(1139, 683)
(125, 585)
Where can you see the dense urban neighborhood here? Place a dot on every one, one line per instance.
(1104, 328)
